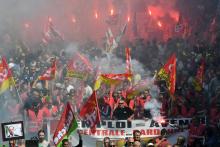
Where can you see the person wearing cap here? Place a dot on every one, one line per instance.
(123, 112)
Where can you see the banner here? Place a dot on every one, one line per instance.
(117, 129)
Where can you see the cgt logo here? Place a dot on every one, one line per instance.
(91, 118)
(63, 131)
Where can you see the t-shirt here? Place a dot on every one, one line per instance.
(43, 144)
(122, 113)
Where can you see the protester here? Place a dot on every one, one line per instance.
(112, 143)
(106, 142)
(180, 141)
(137, 137)
(129, 142)
(42, 141)
(137, 144)
(42, 99)
(66, 143)
(123, 112)
(162, 140)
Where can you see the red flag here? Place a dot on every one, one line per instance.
(49, 73)
(90, 112)
(111, 79)
(168, 73)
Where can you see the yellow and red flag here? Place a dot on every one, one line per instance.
(6, 78)
(110, 79)
(168, 73)
(50, 73)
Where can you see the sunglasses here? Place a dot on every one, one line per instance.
(131, 142)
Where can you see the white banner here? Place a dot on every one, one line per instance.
(117, 129)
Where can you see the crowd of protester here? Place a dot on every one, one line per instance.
(36, 100)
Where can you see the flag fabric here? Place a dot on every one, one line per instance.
(72, 71)
(66, 126)
(6, 78)
(123, 30)
(110, 79)
(136, 89)
(111, 43)
(50, 33)
(168, 73)
(79, 67)
(198, 82)
(128, 60)
(114, 79)
(50, 73)
(85, 61)
(90, 112)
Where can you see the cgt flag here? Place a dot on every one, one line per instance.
(66, 126)
(90, 112)
(168, 73)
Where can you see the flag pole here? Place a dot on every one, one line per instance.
(97, 107)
